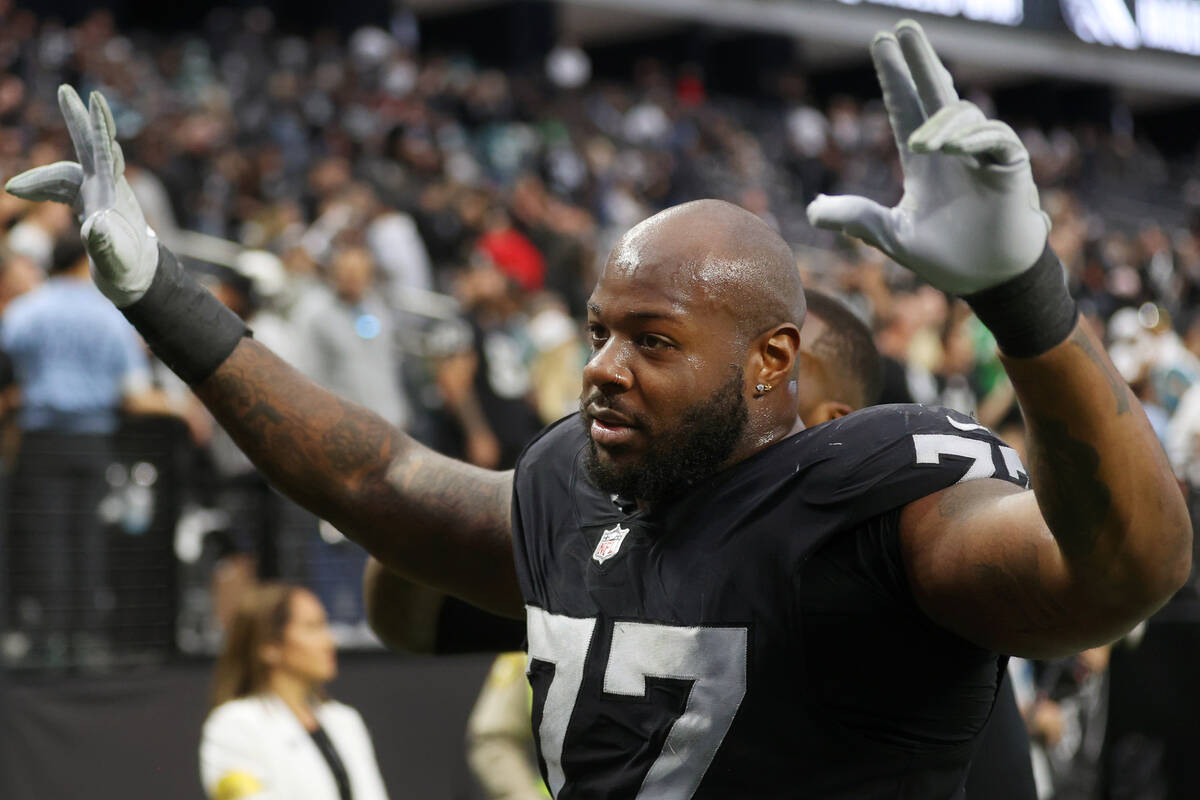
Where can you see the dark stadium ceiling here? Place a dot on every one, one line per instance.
(835, 34)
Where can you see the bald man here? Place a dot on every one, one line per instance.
(718, 602)
(839, 371)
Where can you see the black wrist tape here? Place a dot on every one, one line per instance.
(1031, 313)
(184, 324)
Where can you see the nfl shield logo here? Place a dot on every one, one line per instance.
(610, 543)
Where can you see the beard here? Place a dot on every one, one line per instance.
(679, 458)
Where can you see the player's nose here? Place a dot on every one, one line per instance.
(608, 368)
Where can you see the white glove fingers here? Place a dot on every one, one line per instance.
(114, 145)
(899, 92)
(118, 159)
(944, 125)
(75, 114)
(110, 125)
(58, 182)
(993, 139)
(855, 216)
(102, 138)
(933, 81)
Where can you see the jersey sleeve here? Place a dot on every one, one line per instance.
(885, 457)
(853, 595)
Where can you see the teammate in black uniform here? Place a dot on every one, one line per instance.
(682, 543)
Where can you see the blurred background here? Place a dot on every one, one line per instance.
(410, 202)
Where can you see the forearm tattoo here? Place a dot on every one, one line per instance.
(311, 443)
(1116, 384)
(1075, 500)
(1013, 585)
(348, 465)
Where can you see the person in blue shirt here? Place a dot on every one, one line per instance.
(77, 364)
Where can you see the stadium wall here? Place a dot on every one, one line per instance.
(136, 735)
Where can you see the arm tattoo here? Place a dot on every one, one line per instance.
(1119, 390)
(445, 520)
(1012, 585)
(357, 441)
(1073, 499)
(312, 444)
(471, 495)
(261, 413)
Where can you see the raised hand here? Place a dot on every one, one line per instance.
(969, 218)
(124, 250)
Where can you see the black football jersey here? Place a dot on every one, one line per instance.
(753, 637)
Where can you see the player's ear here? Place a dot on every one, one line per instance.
(825, 411)
(778, 352)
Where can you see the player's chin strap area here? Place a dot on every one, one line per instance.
(185, 324)
(1030, 313)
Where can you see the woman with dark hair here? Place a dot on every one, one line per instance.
(273, 734)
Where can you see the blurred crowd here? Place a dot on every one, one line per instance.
(420, 232)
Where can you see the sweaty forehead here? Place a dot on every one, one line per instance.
(680, 265)
(704, 258)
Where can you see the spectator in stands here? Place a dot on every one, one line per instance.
(486, 385)
(272, 731)
(265, 137)
(347, 343)
(18, 275)
(78, 364)
(347, 338)
(36, 234)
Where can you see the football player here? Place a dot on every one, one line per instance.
(839, 372)
(687, 557)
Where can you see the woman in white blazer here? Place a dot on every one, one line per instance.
(272, 733)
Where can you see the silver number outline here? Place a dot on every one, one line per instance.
(713, 658)
(930, 447)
